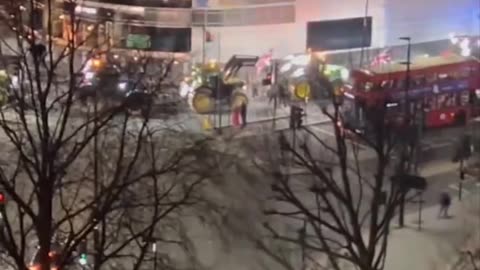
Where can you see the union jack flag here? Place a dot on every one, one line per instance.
(382, 58)
(264, 61)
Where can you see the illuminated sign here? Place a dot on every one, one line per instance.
(86, 10)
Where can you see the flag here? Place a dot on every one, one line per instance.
(382, 58)
(264, 61)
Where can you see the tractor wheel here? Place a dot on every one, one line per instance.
(3, 97)
(202, 101)
(238, 97)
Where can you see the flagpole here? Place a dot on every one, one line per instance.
(204, 36)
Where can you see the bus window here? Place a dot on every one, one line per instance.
(368, 86)
(430, 102)
(446, 100)
(445, 77)
(400, 84)
(387, 84)
(464, 98)
(464, 73)
(419, 81)
(431, 79)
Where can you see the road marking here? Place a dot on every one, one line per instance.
(323, 131)
(453, 186)
(437, 145)
(456, 188)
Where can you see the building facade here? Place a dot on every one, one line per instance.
(217, 29)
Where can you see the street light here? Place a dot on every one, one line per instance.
(403, 160)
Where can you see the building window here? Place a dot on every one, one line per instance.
(151, 3)
(245, 16)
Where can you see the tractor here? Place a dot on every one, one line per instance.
(221, 86)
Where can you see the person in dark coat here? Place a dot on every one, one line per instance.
(445, 201)
(243, 113)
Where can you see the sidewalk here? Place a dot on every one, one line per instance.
(439, 242)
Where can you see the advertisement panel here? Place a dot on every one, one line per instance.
(339, 34)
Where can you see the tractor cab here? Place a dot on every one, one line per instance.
(222, 85)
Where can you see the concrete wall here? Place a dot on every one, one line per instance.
(285, 39)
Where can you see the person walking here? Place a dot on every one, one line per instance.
(445, 201)
(243, 113)
(236, 116)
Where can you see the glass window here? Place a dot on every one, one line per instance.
(215, 17)
(400, 84)
(386, 84)
(431, 78)
(464, 98)
(368, 86)
(419, 81)
(247, 16)
(464, 73)
(431, 102)
(151, 3)
(447, 100)
(446, 76)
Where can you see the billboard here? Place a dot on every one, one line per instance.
(136, 41)
(171, 39)
(339, 34)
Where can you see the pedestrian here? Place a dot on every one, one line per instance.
(243, 113)
(445, 201)
(236, 116)
(255, 91)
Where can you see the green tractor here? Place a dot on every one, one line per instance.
(221, 85)
(4, 84)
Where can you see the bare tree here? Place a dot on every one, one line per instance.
(339, 202)
(98, 188)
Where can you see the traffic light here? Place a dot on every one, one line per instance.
(2, 202)
(82, 260)
(82, 253)
(296, 117)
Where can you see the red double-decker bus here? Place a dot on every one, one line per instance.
(444, 88)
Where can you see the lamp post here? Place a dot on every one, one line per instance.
(403, 158)
(407, 74)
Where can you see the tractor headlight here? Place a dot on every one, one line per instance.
(122, 86)
(89, 75)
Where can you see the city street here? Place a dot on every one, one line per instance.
(243, 195)
(239, 135)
